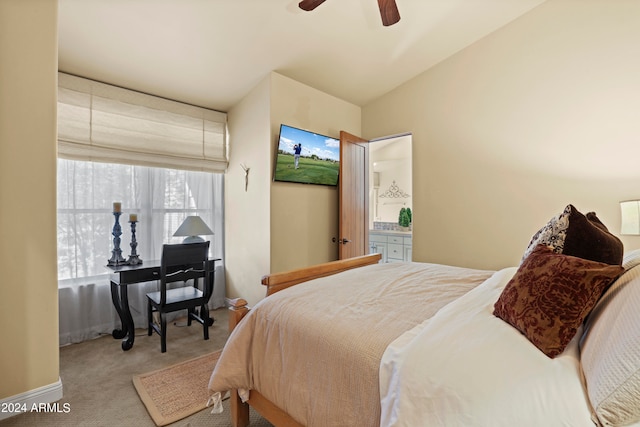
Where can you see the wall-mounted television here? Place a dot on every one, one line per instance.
(306, 157)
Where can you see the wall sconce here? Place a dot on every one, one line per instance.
(630, 215)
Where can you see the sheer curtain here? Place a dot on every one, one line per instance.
(161, 198)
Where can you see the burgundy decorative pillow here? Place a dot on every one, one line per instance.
(550, 296)
(583, 236)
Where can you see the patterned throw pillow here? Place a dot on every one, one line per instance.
(583, 236)
(551, 294)
(552, 234)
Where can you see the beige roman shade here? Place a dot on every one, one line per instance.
(105, 123)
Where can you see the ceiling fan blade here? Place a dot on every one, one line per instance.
(388, 12)
(310, 4)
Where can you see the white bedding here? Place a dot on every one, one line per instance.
(466, 367)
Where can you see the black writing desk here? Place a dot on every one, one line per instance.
(121, 278)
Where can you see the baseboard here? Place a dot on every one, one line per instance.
(24, 402)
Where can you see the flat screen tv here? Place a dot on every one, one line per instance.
(306, 157)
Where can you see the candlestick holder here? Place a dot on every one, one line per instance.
(116, 253)
(134, 259)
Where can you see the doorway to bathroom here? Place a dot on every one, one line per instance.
(390, 197)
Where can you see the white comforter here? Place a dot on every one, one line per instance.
(466, 367)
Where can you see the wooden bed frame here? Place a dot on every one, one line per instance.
(239, 308)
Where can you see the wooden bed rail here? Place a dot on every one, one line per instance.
(279, 281)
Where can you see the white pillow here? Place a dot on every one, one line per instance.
(631, 259)
(610, 352)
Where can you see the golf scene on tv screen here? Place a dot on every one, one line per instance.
(306, 157)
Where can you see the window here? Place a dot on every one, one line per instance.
(161, 159)
(161, 198)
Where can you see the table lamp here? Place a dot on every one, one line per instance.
(193, 227)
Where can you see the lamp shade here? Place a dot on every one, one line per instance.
(630, 217)
(193, 227)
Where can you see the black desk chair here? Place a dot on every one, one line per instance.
(180, 263)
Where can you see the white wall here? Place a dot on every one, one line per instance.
(541, 113)
(393, 165)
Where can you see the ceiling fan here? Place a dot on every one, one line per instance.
(388, 9)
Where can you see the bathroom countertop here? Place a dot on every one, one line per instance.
(391, 232)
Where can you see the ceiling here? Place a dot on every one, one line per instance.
(211, 53)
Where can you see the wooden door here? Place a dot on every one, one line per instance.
(354, 196)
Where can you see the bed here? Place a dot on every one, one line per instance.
(355, 342)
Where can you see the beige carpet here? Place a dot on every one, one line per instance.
(96, 377)
(173, 393)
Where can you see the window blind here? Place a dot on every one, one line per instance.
(104, 123)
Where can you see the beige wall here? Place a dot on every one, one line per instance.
(541, 113)
(29, 288)
(277, 226)
(247, 213)
(304, 218)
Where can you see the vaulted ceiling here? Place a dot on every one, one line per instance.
(212, 52)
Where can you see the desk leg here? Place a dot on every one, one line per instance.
(120, 300)
(115, 298)
(127, 319)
